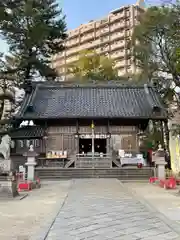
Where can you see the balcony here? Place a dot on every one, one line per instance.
(104, 31)
(104, 41)
(117, 45)
(87, 27)
(71, 60)
(87, 37)
(73, 33)
(73, 51)
(102, 23)
(86, 46)
(117, 26)
(71, 43)
(118, 54)
(120, 64)
(117, 36)
(104, 50)
(96, 43)
(116, 17)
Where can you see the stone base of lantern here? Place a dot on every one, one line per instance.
(8, 188)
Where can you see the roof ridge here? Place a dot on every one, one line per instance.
(92, 86)
(97, 84)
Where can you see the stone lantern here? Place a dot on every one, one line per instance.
(159, 159)
(31, 163)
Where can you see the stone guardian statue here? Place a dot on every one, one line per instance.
(5, 162)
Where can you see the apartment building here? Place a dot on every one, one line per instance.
(108, 36)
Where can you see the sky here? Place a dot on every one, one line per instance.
(82, 11)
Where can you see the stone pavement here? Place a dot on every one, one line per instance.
(100, 209)
(165, 201)
(23, 219)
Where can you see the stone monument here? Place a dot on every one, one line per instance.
(8, 182)
(159, 159)
(31, 163)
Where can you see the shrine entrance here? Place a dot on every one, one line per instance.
(93, 151)
(85, 146)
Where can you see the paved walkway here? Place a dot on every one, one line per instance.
(101, 209)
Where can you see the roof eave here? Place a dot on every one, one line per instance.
(93, 117)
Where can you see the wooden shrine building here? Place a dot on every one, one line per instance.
(84, 126)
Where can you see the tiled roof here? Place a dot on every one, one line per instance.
(26, 132)
(58, 101)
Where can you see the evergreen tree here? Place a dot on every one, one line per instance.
(155, 47)
(33, 30)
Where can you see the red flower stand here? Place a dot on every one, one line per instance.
(25, 186)
(153, 179)
(168, 183)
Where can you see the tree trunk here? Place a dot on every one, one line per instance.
(2, 109)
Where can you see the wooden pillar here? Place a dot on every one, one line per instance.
(45, 140)
(77, 137)
(108, 139)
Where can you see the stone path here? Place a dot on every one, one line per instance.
(101, 209)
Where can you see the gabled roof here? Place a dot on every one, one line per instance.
(61, 101)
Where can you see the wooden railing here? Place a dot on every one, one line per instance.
(51, 162)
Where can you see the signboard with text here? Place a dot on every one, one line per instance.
(98, 136)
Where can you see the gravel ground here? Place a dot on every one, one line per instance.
(21, 219)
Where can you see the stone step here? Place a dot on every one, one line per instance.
(120, 173)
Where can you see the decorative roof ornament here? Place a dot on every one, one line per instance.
(31, 123)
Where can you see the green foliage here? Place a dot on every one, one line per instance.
(153, 136)
(33, 29)
(91, 65)
(6, 90)
(178, 61)
(155, 45)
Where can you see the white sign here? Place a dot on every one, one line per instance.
(98, 136)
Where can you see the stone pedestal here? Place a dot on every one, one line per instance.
(31, 163)
(30, 170)
(160, 163)
(161, 174)
(8, 187)
(5, 165)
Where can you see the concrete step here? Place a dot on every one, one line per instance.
(69, 173)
